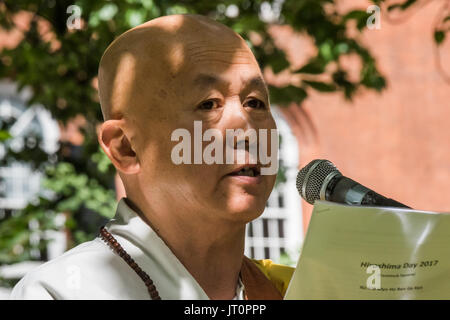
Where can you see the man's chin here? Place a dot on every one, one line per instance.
(245, 210)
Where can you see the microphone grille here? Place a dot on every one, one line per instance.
(311, 178)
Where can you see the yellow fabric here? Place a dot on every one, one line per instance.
(280, 275)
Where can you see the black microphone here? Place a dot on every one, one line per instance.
(321, 180)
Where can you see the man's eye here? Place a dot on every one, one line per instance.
(256, 104)
(207, 105)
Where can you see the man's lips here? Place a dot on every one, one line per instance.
(251, 170)
(246, 174)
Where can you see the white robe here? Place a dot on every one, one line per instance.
(93, 271)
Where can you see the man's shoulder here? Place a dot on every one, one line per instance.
(279, 274)
(77, 256)
(45, 281)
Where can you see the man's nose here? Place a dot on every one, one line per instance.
(235, 116)
(238, 119)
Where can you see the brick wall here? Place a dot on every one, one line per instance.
(396, 142)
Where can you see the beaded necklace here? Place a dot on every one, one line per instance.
(117, 248)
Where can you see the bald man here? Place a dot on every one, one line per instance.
(180, 231)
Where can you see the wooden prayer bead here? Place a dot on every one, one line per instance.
(109, 239)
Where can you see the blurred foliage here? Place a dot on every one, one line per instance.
(287, 260)
(65, 190)
(4, 135)
(442, 22)
(60, 66)
(18, 231)
(77, 189)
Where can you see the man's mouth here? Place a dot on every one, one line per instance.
(248, 171)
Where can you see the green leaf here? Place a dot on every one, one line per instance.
(4, 135)
(394, 6)
(321, 86)
(314, 66)
(341, 48)
(402, 6)
(326, 51)
(286, 95)
(278, 61)
(359, 16)
(107, 12)
(356, 15)
(439, 36)
(408, 3)
(135, 17)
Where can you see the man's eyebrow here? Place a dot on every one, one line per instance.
(257, 82)
(207, 80)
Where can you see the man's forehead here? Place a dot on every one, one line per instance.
(208, 80)
(166, 52)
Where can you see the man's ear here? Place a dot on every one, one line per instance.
(117, 147)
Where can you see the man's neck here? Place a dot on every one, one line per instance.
(216, 268)
(211, 252)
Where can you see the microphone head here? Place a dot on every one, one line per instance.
(312, 178)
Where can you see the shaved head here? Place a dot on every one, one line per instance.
(138, 67)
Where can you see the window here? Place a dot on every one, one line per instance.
(18, 184)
